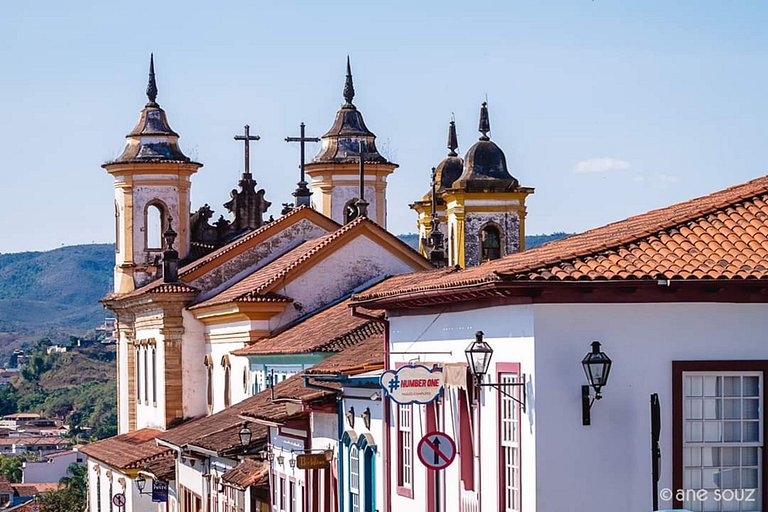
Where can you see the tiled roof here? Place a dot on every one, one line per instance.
(34, 489)
(126, 451)
(163, 467)
(363, 357)
(259, 282)
(723, 235)
(5, 485)
(219, 432)
(248, 473)
(222, 251)
(329, 330)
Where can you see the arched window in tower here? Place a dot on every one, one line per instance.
(350, 210)
(154, 227)
(490, 238)
(227, 381)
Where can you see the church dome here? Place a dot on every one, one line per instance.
(152, 139)
(348, 133)
(485, 166)
(452, 166)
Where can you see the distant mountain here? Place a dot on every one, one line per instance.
(55, 294)
(531, 241)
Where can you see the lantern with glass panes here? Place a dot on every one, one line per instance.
(597, 366)
(479, 355)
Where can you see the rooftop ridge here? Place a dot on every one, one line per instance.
(725, 198)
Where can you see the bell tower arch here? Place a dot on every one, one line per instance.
(152, 184)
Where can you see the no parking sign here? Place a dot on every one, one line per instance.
(436, 450)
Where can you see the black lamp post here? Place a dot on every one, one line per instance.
(597, 366)
(245, 435)
(479, 355)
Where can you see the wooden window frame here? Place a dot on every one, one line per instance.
(508, 368)
(678, 368)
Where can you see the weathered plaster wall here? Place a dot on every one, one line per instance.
(257, 256)
(193, 351)
(509, 225)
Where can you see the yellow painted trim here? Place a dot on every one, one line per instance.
(238, 311)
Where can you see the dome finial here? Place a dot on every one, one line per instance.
(485, 122)
(349, 88)
(152, 85)
(453, 140)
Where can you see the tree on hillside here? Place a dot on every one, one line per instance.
(10, 468)
(70, 498)
(76, 480)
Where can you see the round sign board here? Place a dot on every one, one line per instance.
(436, 450)
(118, 500)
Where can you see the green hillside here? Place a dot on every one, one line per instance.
(55, 294)
(52, 294)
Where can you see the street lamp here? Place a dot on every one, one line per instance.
(245, 435)
(597, 367)
(141, 483)
(479, 355)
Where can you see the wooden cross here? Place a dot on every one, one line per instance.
(247, 138)
(302, 140)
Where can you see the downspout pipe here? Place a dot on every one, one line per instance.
(387, 408)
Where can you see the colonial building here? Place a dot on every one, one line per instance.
(675, 298)
(214, 318)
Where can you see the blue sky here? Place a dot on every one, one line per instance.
(607, 108)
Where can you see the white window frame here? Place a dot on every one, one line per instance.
(354, 478)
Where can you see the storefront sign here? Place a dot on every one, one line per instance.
(159, 491)
(414, 383)
(312, 461)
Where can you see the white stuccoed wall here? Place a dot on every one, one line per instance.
(567, 466)
(193, 370)
(510, 333)
(613, 454)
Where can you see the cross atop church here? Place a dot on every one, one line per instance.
(302, 193)
(247, 138)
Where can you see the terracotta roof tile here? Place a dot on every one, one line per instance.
(259, 282)
(725, 232)
(163, 467)
(219, 432)
(218, 253)
(329, 330)
(248, 473)
(126, 451)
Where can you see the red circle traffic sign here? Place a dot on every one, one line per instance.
(118, 500)
(436, 450)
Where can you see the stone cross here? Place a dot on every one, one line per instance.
(302, 140)
(247, 138)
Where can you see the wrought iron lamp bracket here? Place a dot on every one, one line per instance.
(499, 387)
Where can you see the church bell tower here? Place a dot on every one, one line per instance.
(479, 207)
(336, 171)
(152, 193)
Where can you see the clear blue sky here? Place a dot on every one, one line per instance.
(607, 108)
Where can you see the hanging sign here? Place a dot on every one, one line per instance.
(413, 383)
(312, 461)
(436, 450)
(159, 491)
